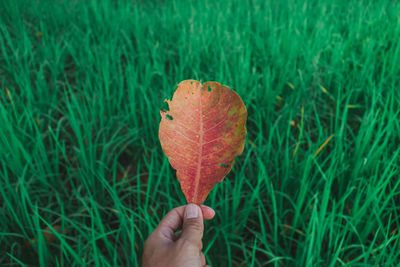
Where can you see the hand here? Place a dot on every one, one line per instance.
(165, 248)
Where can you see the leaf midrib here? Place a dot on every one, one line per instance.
(197, 178)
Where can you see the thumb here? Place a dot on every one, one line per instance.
(193, 226)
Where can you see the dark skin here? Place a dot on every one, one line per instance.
(166, 248)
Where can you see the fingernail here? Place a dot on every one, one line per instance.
(192, 211)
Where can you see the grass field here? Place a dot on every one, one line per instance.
(83, 176)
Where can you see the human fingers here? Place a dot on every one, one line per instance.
(193, 226)
(173, 220)
(203, 259)
(208, 213)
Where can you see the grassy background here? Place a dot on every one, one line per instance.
(83, 176)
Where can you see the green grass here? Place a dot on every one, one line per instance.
(81, 86)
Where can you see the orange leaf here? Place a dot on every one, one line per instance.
(201, 133)
(47, 234)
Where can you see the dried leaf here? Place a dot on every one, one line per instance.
(201, 133)
(48, 235)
